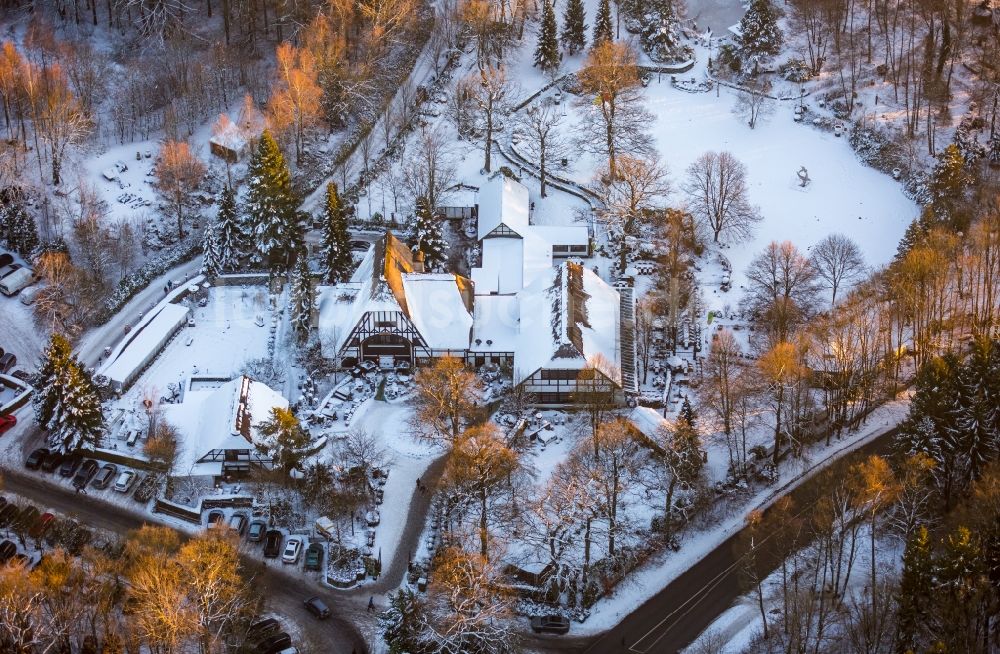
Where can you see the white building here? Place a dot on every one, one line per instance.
(218, 423)
(552, 322)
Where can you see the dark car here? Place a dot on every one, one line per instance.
(69, 465)
(314, 557)
(317, 607)
(51, 461)
(272, 543)
(7, 362)
(550, 624)
(41, 526)
(274, 643)
(85, 473)
(105, 476)
(262, 628)
(27, 518)
(145, 489)
(35, 459)
(8, 513)
(6, 422)
(7, 551)
(6, 259)
(215, 518)
(256, 531)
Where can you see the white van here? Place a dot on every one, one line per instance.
(29, 295)
(14, 282)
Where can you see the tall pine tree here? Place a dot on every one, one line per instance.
(760, 35)
(604, 27)
(338, 262)
(301, 298)
(211, 260)
(427, 237)
(229, 233)
(271, 205)
(67, 403)
(915, 591)
(547, 50)
(574, 31)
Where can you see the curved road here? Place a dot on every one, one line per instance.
(284, 593)
(673, 618)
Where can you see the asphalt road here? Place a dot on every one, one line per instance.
(283, 593)
(673, 618)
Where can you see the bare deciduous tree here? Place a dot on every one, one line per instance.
(614, 119)
(545, 143)
(493, 93)
(446, 397)
(717, 192)
(429, 166)
(837, 261)
(178, 172)
(781, 288)
(631, 194)
(753, 101)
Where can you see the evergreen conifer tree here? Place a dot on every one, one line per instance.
(427, 237)
(604, 27)
(914, 234)
(574, 31)
(301, 298)
(67, 403)
(687, 413)
(211, 260)
(760, 35)
(547, 50)
(336, 239)
(947, 185)
(27, 234)
(229, 233)
(915, 590)
(271, 205)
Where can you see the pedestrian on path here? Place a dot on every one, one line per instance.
(371, 604)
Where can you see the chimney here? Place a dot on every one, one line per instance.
(418, 262)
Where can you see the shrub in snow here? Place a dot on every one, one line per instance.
(795, 70)
(876, 148)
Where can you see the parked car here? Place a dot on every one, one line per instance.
(27, 517)
(104, 476)
(16, 281)
(85, 473)
(7, 551)
(6, 259)
(42, 525)
(7, 362)
(215, 518)
(35, 459)
(314, 556)
(274, 643)
(317, 607)
(9, 270)
(125, 480)
(145, 489)
(52, 461)
(6, 422)
(8, 513)
(69, 465)
(256, 531)
(293, 548)
(132, 438)
(550, 624)
(238, 523)
(263, 627)
(272, 543)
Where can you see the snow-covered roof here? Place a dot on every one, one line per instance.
(230, 137)
(438, 308)
(384, 281)
(495, 324)
(510, 264)
(502, 201)
(569, 318)
(223, 418)
(563, 234)
(144, 344)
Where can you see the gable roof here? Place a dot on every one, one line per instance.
(503, 201)
(583, 315)
(223, 418)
